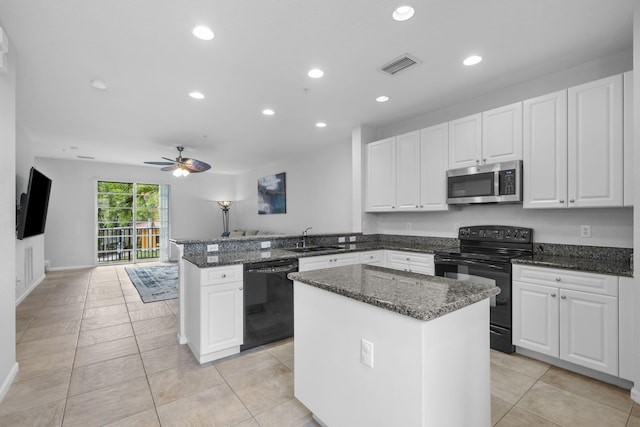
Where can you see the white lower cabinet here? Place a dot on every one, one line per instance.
(626, 314)
(410, 261)
(328, 261)
(567, 314)
(213, 311)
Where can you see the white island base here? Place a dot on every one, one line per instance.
(425, 373)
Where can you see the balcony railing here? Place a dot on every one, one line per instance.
(116, 244)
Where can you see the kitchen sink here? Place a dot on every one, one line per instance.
(314, 249)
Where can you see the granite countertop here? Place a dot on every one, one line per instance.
(215, 259)
(612, 266)
(415, 295)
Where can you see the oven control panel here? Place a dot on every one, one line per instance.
(496, 233)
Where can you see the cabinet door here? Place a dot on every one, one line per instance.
(595, 166)
(535, 318)
(222, 317)
(544, 155)
(625, 323)
(465, 141)
(502, 134)
(628, 138)
(408, 171)
(381, 175)
(434, 154)
(589, 330)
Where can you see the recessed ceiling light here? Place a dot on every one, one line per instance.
(382, 98)
(99, 84)
(316, 73)
(203, 33)
(196, 95)
(321, 125)
(268, 112)
(403, 13)
(472, 60)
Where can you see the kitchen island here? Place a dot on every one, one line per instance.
(380, 347)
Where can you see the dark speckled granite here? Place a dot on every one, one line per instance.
(414, 295)
(593, 259)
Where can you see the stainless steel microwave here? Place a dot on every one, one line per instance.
(492, 183)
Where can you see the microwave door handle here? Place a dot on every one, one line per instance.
(496, 183)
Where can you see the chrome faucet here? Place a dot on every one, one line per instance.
(304, 238)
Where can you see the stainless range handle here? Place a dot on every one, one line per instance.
(468, 262)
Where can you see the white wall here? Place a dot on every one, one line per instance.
(610, 227)
(70, 231)
(635, 393)
(8, 365)
(318, 193)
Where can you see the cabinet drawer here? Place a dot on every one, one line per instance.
(372, 257)
(566, 279)
(220, 275)
(410, 258)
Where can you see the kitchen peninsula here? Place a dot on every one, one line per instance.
(381, 347)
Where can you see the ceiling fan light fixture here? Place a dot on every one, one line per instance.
(180, 172)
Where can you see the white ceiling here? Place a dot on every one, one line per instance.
(259, 58)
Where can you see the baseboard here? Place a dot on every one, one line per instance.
(6, 384)
(601, 376)
(31, 288)
(72, 267)
(635, 394)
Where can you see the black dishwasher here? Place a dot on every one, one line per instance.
(268, 302)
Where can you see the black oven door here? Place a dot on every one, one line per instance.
(487, 272)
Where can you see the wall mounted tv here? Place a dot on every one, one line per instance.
(32, 210)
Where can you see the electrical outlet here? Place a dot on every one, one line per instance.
(408, 226)
(352, 238)
(265, 245)
(585, 231)
(212, 258)
(366, 353)
(212, 248)
(341, 239)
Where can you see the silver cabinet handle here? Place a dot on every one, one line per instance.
(558, 279)
(553, 295)
(417, 206)
(224, 275)
(484, 160)
(571, 201)
(562, 201)
(477, 161)
(240, 288)
(563, 296)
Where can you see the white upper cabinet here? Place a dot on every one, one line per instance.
(502, 134)
(628, 138)
(381, 175)
(408, 171)
(465, 141)
(595, 144)
(434, 154)
(545, 151)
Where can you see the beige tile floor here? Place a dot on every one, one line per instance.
(92, 354)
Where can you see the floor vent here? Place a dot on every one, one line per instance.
(400, 64)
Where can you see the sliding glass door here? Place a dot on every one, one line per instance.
(132, 222)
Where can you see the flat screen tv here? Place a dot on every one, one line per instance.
(32, 211)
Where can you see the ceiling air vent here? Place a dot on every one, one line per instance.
(400, 64)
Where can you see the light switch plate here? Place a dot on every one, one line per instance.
(352, 238)
(366, 354)
(265, 245)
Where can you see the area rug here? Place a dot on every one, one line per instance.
(155, 283)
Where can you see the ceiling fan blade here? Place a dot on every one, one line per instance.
(170, 168)
(160, 163)
(196, 165)
(171, 160)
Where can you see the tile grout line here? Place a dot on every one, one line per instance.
(75, 353)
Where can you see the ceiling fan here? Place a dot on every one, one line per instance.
(182, 166)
